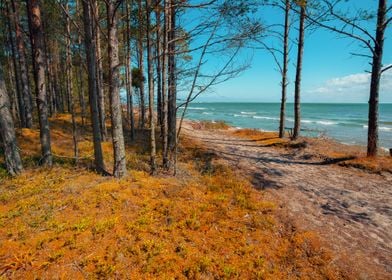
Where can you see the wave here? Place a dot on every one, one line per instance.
(383, 128)
(197, 108)
(265, 118)
(207, 113)
(326, 122)
(306, 121)
(248, 113)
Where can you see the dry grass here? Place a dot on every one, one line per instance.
(210, 125)
(208, 223)
(326, 149)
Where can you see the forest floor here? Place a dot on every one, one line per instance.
(323, 186)
(244, 205)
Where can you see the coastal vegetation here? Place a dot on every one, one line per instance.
(101, 176)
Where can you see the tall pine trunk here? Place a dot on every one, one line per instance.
(172, 95)
(12, 96)
(12, 158)
(284, 70)
(21, 107)
(24, 79)
(36, 36)
(92, 86)
(70, 84)
(297, 93)
(375, 80)
(119, 169)
(142, 117)
(100, 87)
(82, 102)
(151, 89)
(129, 73)
(165, 159)
(158, 64)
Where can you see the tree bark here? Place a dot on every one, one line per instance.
(82, 102)
(284, 73)
(129, 74)
(172, 95)
(12, 158)
(22, 114)
(92, 86)
(100, 87)
(24, 79)
(36, 36)
(297, 93)
(165, 159)
(151, 90)
(13, 95)
(120, 168)
(70, 84)
(142, 116)
(375, 80)
(158, 65)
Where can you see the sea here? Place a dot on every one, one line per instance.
(346, 123)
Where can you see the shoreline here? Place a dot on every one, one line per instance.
(323, 148)
(384, 150)
(344, 123)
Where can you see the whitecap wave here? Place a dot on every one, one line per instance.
(385, 128)
(206, 113)
(248, 113)
(326, 122)
(197, 108)
(264, 118)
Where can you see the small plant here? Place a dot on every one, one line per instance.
(82, 225)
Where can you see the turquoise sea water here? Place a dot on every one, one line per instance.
(346, 123)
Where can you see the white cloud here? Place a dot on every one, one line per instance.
(349, 81)
(351, 88)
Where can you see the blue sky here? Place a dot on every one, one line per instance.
(330, 73)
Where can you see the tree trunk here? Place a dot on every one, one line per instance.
(12, 158)
(92, 86)
(50, 91)
(142, 116)
(13, 95)
(158, 65)
(22, 114)
(100, 87)
(151, 89)
(70, 84)
(297, 93)
(129, 74)
(375, 80)
(165, 159)
(172, 96)
(36, 35)
(25, 89)
(82, 102)
(56, 79)
(120, 168)
(284, 73)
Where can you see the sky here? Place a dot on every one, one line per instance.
(330, 73)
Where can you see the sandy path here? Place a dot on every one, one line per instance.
(350, 208)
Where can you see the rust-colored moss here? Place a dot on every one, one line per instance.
(68, 222)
